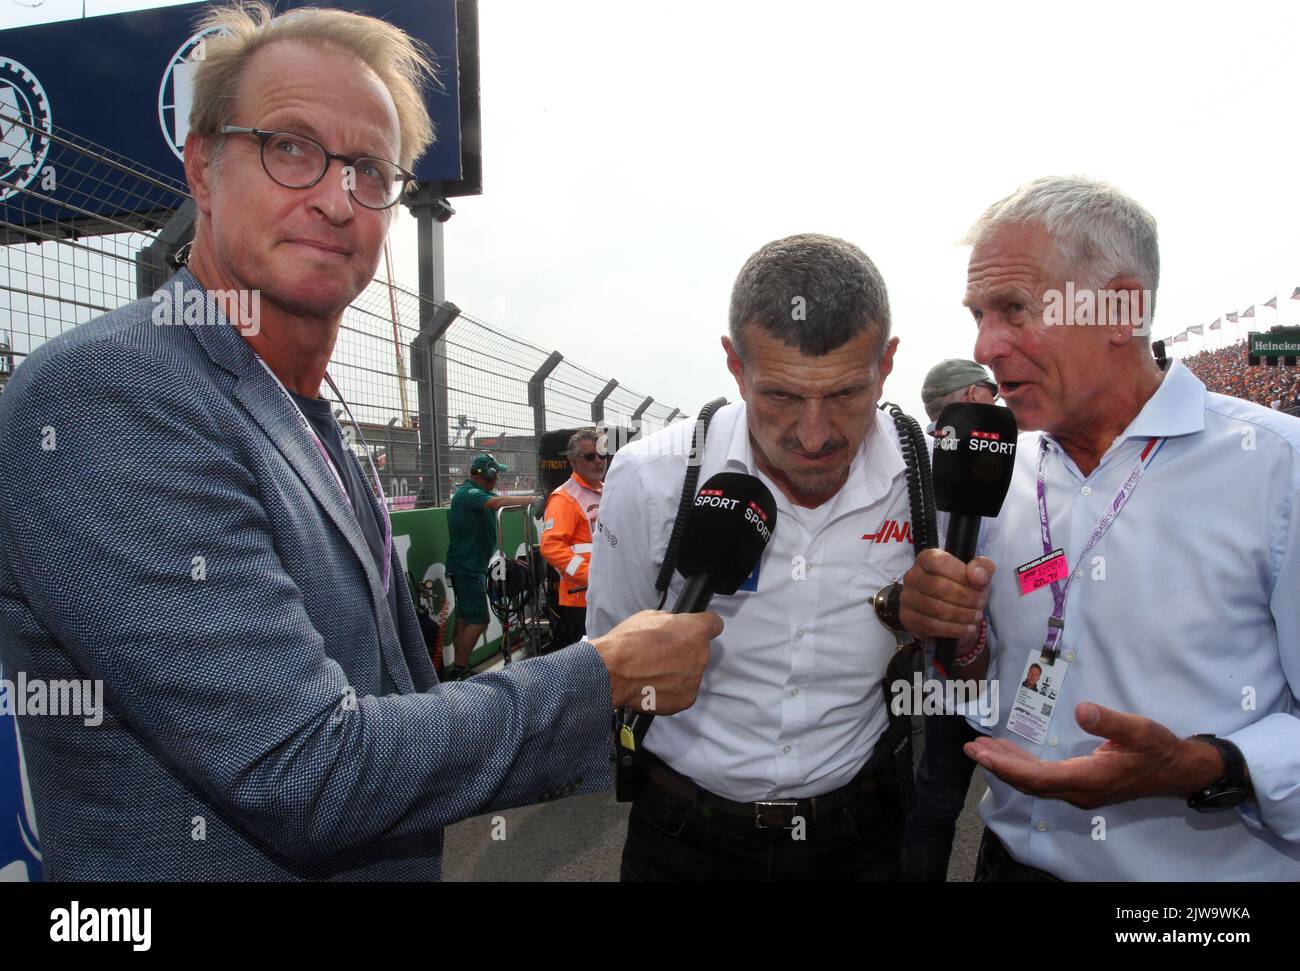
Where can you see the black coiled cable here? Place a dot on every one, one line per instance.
(920, 483)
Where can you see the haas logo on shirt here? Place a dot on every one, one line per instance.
(891, 531)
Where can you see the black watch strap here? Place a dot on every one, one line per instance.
(1232, 789)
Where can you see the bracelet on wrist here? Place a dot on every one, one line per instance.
(980, 644)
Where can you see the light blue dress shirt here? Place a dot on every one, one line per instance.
(1186, 612)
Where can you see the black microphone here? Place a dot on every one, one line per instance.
(972, 463)
(726, 531)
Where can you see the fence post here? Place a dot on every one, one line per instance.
(636, 417)
(431, 387)
(537, 393)
(156, 262)
(598, 402)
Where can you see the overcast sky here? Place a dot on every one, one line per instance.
(635, 154)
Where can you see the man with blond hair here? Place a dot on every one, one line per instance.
(183, 523)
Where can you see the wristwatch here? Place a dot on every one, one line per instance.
(1232, 789)
(886, 602)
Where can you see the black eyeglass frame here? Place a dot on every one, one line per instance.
(263, 137)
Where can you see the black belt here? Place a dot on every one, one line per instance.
(870, 782)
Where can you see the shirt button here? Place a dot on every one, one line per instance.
(793, 692)
(1086, 490)
(1078, 574)
(798, 634)
(785, 749)
(1042, 826)
(1052, 741)
(1069, 656)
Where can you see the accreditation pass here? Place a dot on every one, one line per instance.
(1040, 682)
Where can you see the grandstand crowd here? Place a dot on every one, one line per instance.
(1227, 371)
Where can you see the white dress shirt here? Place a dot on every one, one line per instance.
(1187, 612)
(791, 703)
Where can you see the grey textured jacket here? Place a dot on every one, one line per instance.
(242, 737)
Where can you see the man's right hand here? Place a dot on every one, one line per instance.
(663, 652)
(944, 597)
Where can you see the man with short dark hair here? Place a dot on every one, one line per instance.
(472, 538)
(567, 527)
(778, 774)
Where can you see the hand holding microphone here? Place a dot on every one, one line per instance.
(654, 649)
(726, 531)
(944, 593)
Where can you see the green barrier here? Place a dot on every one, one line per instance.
(420, 537)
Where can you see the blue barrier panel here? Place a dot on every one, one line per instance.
(20, 854)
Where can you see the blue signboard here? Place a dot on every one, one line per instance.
(123, 82)
(20, 856)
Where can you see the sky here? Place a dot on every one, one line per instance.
(634, 156)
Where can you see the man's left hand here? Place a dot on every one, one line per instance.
(1139, 758)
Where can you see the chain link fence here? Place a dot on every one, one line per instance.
(85, 230)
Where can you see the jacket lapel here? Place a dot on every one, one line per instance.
(271, 409)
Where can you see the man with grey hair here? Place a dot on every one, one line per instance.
(777, 775)
(271, 712)
(1173, 641)
(567, 527)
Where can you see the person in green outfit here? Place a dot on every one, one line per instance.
(472, 523)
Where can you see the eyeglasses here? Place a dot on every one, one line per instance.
(298, 162)
(591, 457)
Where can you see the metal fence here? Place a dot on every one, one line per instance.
(101, 231)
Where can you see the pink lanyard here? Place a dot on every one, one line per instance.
(1056, 623)
(383, 507)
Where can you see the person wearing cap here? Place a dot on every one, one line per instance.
(955, 380)
(472, 524)
(566, 530)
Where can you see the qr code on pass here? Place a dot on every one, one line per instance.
(1047, 708)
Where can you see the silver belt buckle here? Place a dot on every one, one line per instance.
(774, 804)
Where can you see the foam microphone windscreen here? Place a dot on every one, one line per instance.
(974, 459)
(727, 529)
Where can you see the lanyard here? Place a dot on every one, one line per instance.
(1056, 622)
(383, 507)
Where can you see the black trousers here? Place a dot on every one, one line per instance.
(575, 624)
(941, 784)
(669, 839)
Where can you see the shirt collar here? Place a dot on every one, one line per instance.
(871, 473)
(1176, 408)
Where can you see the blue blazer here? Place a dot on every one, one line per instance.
(168, 527)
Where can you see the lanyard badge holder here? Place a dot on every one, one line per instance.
(1043, 675)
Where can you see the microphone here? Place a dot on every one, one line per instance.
(726, 530)
(972, 463)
